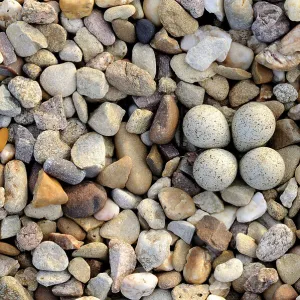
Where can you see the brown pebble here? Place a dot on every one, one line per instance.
(48, 191)
(198, 266)
(34, 176)
(44, 293)
(116, 174)
(168, 280)
(165, 122)
(124, 30)
(8, 249)
(68, 226)
(214, 233)
(85, 199)
(155, 161)
(29, 237)
(95, 266)
(148, 102)
(25, 260)
(1, 175)
(168, 151)
(73, 9)
(65, 241)
(260, 73)
(285, 292)
(181, 181)
(164, 43)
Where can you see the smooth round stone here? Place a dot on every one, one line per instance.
(206, 127)
(124, 199)
(42, 58)
(136, 286)
(285, 93)
(29, 237)
(292, 9)
(229, 271)
(239, 56)
(119, 12)
(88, 153)
(59, 79)
(73, 9)
(252, 126)
(80, 269)
(262, 168)
(46, 278)
(159, 294)
(48, 256)
(71, 25)
(10, 11)
(215, 169)
(150, 8)
(145, 30)
(108, 212)
(275, 243)
(85, 199)
(288, 267)
(12, 289)
(70, 52)
(111, 3)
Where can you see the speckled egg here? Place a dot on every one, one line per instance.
(252, 126)
(206, 127)
(215, 169)
(262, 168)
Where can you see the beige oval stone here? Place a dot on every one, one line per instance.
(116, 174)
(165, 122)
(111, 3)
(68, 226)
(176, 203)
(74, 9)
(198, 266)
(129, 144)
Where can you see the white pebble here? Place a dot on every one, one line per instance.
(229, 271)
(227, 216)
(290, 193)
(109, 211)
(8, 153)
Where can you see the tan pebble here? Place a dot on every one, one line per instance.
(88, 223)
(168, 280)
(124, 30)
(180, 253)
(246, 245)
(286, 292)
(3, 138)
(47, 227)
(139, 121)
(164, 43)
(155, 161)
(167, 265)
(232, 73)
(165, 122)
(224, 257)
(80, 269)
(48, 191)
(108, 212)
(176, 203)
(119, 12)
(261, 74)
(276, 107)
(73, 9)
(8, 249)
(116, 174)
(217, 87)
(171, 167)
(150, 8)
(256, 231)
(128, 144)
(65, 241)
(111, 3)
(92, 250)
(93, 235)
(198, 266)
(68, 226)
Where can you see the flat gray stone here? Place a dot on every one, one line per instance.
(10, 226)
(70, 52)
(81, 107)
(8, 265)
(74, 130)
(48, 278)
(9, 106)
(183, 229)
(11, 289)
(99, 286)
(24, 144)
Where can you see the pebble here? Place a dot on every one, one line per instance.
(239, 14)
(71, 25)
(196, 7)
(15, 176)
(10, 12)
(243, 92)
(129, 144)
(216, 180)
(176, 203)
(163, 42)
(12, 288)
(8, 249)
(253, 126)
(76, 10)
(227, 216)
(111, 3)
(145, 31)
(48, 256)
(29, 237)
(99, 286)
(101, 61)
(217, 87)
(70, 288)
(25, 39)
(183, 229)
(261, 27)
(153, 213)
(118, 49)
(107, 118)
(125, 81)
(139, 121)
(275, 243)
(9, 266)
(157, 187)
(206, 127)
(10, 226)
(94, 162)
(151, 10)
(50, 115)
(289, 43)
(119, 12)
(73, 131)
(91, 83)
(165, 121)
(95, 250)
(96, 25)
(238, 194)
(290, 193)
(286, 291)
(285, 93)
(255, 176)
(124, 199)
(125, 226)
(135, 286)
(24, 144)
(85, 199)
(246, 245)
(88, 44)
(229, 271)
(50, 212)
(59, 79)
(46, 278)
(70, 52)
(48, 144)
(26, 91)
(153, 247)
(122, 261)
(209, 202)
(190, 291)
(42, 58)
(80, 269)
(124, 30)
(214, 233)
(292, 10)
(288, 268)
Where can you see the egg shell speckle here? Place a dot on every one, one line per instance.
(253, 125)
(215, 169)
(262, 168)
(206, 127)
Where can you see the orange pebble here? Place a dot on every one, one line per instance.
(3, 138)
